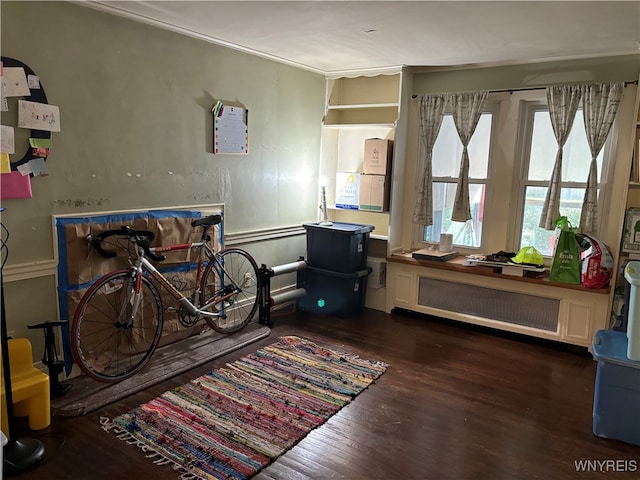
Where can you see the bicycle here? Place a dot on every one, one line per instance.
(118, 322)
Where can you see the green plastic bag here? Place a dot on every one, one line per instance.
(565, 267)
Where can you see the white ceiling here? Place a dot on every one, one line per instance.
(356, 36)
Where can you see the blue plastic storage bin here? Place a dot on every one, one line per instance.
(333, 293)
(340, 247)
(616, 401)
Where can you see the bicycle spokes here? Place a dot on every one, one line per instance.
(115, 330)
(230, 283)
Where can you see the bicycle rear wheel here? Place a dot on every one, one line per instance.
(107, 346)
(231, 270)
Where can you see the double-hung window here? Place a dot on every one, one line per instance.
(447, 154)
(538, 153)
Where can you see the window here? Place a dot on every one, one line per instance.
(539, 150)
(447, 153)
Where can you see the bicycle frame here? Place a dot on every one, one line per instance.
(118, 323)
(142, 264)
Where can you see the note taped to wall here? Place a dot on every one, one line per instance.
(15, 82)
(38, 116)
(41, 142)
(5, 163)
(38, 167)
(24, 169)
(14, 185)
(33, 81)
(7, 139)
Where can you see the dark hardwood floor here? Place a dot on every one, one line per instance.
(456, 402)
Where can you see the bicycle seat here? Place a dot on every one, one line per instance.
(209, 221)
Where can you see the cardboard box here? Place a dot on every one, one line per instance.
(347, 190)
(377, 156)
(374, 193)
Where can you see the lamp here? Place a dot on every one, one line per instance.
(324, 220)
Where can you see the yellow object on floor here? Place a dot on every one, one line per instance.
(29, 386)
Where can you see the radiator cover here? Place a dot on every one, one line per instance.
(509, 307)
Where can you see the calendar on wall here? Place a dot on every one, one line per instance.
(230, 129)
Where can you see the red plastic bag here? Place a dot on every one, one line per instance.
(597, 262)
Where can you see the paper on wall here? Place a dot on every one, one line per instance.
(33, 81)
(41, 142)
(7, 139)
(38, 116)
(40, 152)
(15, 82)
(5, 163)
(38, 167)
(24, 169)
(14, 185)
(4, 105)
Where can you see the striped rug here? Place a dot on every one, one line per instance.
(232, 422)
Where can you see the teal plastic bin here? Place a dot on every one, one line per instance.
(333, 293)
(616, 401)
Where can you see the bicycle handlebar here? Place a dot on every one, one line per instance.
(140, 237)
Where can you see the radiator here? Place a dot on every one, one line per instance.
(509, 307)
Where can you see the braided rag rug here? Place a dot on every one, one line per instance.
(232, 422)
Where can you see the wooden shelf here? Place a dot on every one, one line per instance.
(358, 108)
(363, 106)
(379, 237)
(357, 116)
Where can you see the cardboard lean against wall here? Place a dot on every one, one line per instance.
(79, 266)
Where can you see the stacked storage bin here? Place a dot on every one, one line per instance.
(336, 275)
(616, 400)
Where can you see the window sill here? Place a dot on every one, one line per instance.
(456, 265)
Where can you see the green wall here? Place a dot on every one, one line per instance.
(136, 132)
(135, 107)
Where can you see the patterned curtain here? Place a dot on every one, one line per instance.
(431, 113)
(599, 107)
(467, 108)
(563, 103)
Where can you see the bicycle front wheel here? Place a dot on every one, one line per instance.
(110, 341)
(230, 285)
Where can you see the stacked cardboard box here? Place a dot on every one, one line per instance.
(369, 190)
(374, 183)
